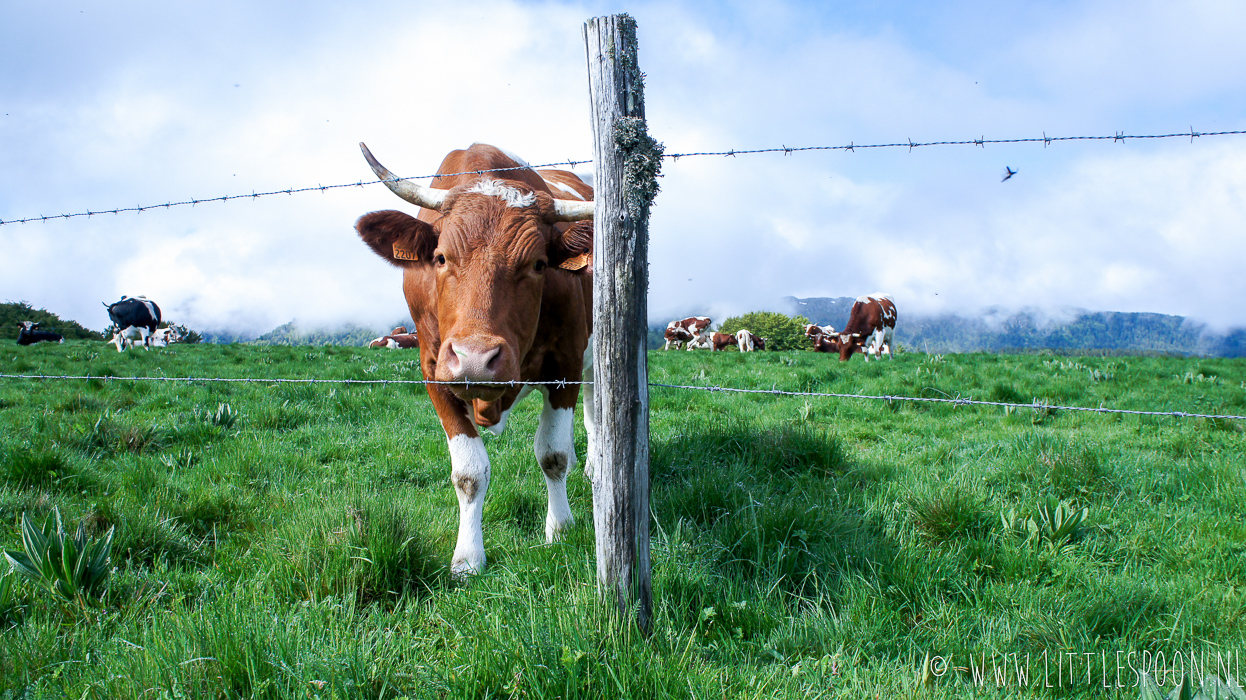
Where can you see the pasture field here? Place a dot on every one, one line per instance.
(292, 541)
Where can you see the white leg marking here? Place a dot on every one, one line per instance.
(555, 452)
(469, 473)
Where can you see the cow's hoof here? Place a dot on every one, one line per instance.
(464, 568)
(554, 531)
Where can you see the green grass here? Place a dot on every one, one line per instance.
(283, 541)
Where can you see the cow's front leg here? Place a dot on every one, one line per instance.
(555, 452)
(469, 473)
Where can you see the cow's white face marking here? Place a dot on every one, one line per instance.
(555, 452)
(469, 473)
(564, 188)
(511, 196)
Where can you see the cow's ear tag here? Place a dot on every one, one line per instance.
(401, 253)
(579, 262)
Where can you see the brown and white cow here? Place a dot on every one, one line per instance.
(721, 341)
(394, 341)
(676, 336)
(697, 327)
(814, 332)
(748, 342)
(497, 275)
(871, 325)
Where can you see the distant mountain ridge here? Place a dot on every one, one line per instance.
(348, 334)
(992, 331)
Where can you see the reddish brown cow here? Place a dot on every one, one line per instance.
(722, 340)
(497, 275)
(871, 323)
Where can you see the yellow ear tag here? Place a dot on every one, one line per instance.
(401, 253)
(579, 262)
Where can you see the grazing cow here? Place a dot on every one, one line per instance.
(704, 341)
(720, 341)
(138, 313)
(122, 340)
(28, 334)
(697, 327)
(497, 274)
(163, 337)
(813, 332)
(676, 336)
(871, 325)
(749, 342)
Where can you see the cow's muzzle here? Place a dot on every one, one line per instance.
(479, 366)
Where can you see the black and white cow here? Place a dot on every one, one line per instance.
(139, 313)
(30, 334)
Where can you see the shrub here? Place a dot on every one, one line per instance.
(781, 332)
(74, 569)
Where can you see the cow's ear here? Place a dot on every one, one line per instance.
(572, 249)
(400, 238)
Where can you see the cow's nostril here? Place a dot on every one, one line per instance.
(493, 358)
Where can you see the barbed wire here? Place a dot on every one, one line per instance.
(558, 383)
(289, 191)
(674, 157)
(910, 144)
(1036, 405)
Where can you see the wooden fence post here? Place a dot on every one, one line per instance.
(626, 164)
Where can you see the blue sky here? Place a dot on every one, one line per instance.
(138, 103)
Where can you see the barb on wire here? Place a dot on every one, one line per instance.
(786, 150)
(563, 383)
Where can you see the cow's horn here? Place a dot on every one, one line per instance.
(427, 197)
(571, 210)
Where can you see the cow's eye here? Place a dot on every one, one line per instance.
(440, 259)
(539, 266)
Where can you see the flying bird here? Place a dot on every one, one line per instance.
(1008, 173)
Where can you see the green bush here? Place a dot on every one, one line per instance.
(781, 332)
